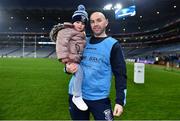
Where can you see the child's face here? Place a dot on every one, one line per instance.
(79, 26)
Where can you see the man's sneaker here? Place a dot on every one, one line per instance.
(79, 102)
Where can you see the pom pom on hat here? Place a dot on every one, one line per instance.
(80, 14)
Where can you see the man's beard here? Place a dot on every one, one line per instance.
(99, 33)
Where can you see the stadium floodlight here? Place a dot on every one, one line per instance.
(118, 6)
(107, 7)
(125, 12)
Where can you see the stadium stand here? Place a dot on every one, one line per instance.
(22, 31)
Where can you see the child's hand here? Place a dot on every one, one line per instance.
(71, 67)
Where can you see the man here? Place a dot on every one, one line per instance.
(102, 56)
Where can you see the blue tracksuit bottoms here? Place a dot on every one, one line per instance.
(100, 109)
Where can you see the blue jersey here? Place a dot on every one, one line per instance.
(97, 70)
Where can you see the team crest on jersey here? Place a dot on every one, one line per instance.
(108, 115)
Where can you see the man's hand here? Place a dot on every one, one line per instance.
(118, 110)
(71, 67)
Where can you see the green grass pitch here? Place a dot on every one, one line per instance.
(37, 89)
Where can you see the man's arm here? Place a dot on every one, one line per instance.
(119, 70)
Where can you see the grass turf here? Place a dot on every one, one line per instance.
(37, 89)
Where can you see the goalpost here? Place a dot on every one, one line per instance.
(26, 44)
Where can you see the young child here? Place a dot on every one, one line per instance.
(69, 47)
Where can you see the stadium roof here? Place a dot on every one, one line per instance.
(150, 14)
